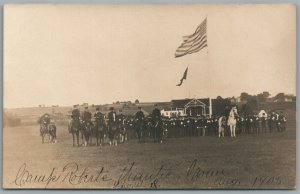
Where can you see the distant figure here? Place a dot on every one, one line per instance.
(47, 127)
(139, 118)
(112, 126)
(45, 120)
(100, 127)
(281, 122)
(157, 125)
(75, 125)
(86, 116)
(264, 123)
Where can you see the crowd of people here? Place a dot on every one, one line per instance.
(157, 127)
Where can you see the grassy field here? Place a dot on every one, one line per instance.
(248, 161)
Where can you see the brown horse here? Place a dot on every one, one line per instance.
(49, 130)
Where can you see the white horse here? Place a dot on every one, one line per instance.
(232, 121)
(221, 124)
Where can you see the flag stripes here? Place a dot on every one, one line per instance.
(193, 43)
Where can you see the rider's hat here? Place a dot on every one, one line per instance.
(111, 108)
(97, 108)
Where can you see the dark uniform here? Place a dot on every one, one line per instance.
(281, 122)
(45, 120)
(87, 116)
(157, 125)
(139, 116)
(75, 114)
(273, 122)
(98, 115)
(264, 123)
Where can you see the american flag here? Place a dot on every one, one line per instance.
(193, 43)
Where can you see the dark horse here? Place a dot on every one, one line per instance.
(74, 128)
(99, 130)
(140, 130)
(87, 131)
(113, 133)
(157, 131)
(49, 130)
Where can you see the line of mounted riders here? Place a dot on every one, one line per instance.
(114, 126)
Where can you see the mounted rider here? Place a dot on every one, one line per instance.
(75, 117)
(75, 113)
(139, 116)
(87, 116)
(157, 123)
(140, 119)
(112, 125)
(99, 117)
(45, 121)
(120, 118)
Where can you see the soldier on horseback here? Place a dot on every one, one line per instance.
(47, 127)
(87, 116)
(121, 126)
(140, 119)
(75, 117)
(45, 120)
(157, 124)
(74, 124)
(112, 126)
(100, 125)
(87, 125)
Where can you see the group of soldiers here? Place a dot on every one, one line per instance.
(157, 127)
(203, 126)
(119, 125)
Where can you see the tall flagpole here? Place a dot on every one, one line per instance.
(210, 107)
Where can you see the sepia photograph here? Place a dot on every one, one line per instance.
(149, 96)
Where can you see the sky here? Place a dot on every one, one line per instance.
(71, 54)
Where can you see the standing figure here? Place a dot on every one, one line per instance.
(281, 122)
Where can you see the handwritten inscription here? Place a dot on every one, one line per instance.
(70, 173)
(132, 176)
(128, 178)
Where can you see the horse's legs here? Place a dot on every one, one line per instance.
(97, 137)
(43, 135)
(77, 137)
(81, 133)
(233, 129)
(73, 138)
(230, 130)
